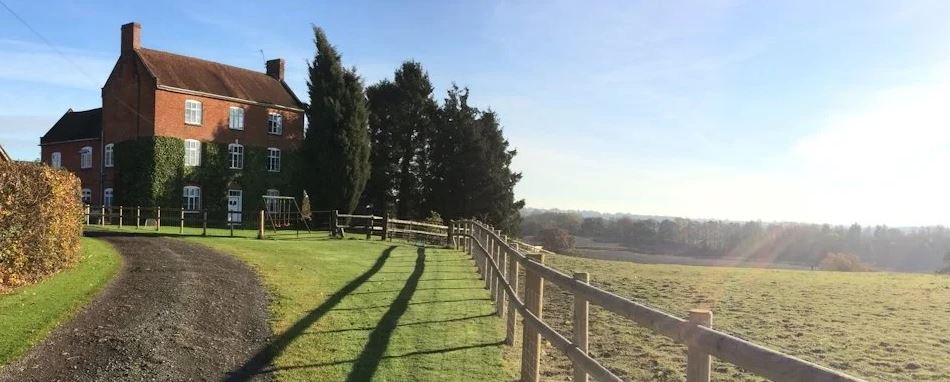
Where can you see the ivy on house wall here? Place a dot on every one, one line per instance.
(150, 171)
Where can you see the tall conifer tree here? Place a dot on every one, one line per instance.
(402, 113)
(337, 145)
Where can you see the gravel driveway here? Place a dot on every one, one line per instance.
(175, 312)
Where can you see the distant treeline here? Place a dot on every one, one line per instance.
(917, 249)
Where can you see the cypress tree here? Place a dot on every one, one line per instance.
(337, 142)
(469, 170)
(382, 99)
(401, 116)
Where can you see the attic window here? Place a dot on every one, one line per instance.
(192, 112)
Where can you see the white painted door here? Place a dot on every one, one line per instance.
(235, 200)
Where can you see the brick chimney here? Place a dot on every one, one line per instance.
(275, 68)
(131, 33)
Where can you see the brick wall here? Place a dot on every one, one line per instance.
(69, 154)
(170, 121)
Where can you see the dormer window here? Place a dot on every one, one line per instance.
(192, 112)
(275, 123)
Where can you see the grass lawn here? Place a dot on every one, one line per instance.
(29, 313)
(877, 326)
(370, 310)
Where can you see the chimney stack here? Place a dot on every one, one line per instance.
(130, 37)
(275, 68)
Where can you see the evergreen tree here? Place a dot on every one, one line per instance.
(337, 142)
(469, 170)
(382, 99)
(401, 116)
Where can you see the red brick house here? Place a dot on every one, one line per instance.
(217, 123)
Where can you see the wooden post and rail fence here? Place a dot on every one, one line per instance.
(498, 259)
(145, 217)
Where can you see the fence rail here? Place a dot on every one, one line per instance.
(498, 259)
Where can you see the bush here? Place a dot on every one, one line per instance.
(556, 240)
(843, 262)
(40, 222)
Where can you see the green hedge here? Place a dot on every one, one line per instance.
(151, 171)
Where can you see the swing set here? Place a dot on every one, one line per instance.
(283, 212)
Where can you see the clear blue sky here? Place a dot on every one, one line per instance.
(823, 111)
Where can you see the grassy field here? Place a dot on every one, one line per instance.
(359, 310)
(878, 326)
(28, 314)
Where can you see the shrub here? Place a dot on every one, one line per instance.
(556, 239)
(843, 262)
(40, 222)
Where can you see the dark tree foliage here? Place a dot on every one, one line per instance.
(469, 172)
(380, 193)
(337, 146)
(402, 114)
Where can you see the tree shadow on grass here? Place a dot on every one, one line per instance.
(410, 354)
(257, 363)
(368, 360)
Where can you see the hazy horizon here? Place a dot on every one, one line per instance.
(806, 112)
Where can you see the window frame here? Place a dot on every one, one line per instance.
(107, 196)
(279, 130)
(273, 159)
(86, 195)
(196, 109)
(231, 118)
(236, 150)
(197, 153)
(56, 159)
(85, 157)
(187, 199)
(108, 155)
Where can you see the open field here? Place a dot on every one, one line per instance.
(357, 309)
(594, 249)
(28, 314)
(878, 326)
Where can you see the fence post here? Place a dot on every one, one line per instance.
(260, 226)
(385, 227)
(138, 217)
(489, 275)
(181, 221)
(88, 210)
(531, 343)
(698, 363)
(581, 309)
(158, 218)
(120, 217)
(333, 222)
(512, 311)
(370, 226)
(448, 235)
(499, 284)
(102, 215)
(204, 222)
